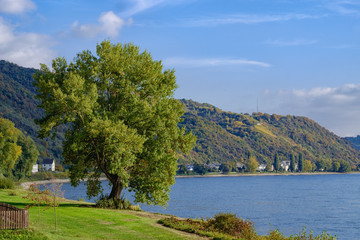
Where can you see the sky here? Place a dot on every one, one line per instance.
(297, 57)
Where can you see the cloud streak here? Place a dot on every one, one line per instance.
(296, 42)
(248, 19)
(140, 6)
(211, 62)
(345, 7)
(336, 108)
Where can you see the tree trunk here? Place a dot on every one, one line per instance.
(117, 188)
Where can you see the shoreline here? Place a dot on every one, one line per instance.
(26, 185)
(264, 174)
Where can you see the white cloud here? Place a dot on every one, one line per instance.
(108, 23)
(209, 62)
(336, 108)
(248, 19)
(25, 49)
(16, 6)
(296, 42)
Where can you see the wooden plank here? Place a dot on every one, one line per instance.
(12, 217)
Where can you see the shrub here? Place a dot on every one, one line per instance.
(230, 224)
(13, 193)
(6, 183)
(21, 234)
(122, 203)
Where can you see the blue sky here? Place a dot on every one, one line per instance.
(298, 57)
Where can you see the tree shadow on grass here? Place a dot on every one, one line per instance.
(24, 205)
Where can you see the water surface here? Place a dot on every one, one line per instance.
(289, 203)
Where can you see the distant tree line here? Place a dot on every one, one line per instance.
(293, 164)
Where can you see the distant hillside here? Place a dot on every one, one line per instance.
(221, 136)
(225, 136)
(18, 104)
(354, 142)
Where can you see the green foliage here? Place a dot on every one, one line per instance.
(6, 183)
(182, 169)
(251, 164)
(307, 166)
(292, 167)
(105, 201)
(230, 224)
(18, 104)
(18, 152)
(228, 137)
(344, 166)
(354, 142)
(226, 226)
(225, 168)
(121, 118)
(200, 168)
(301, 163)
(47, 175)
(276, 163)
(10, 151)
(21, 234)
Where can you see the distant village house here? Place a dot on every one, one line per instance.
(48, 164)
(285, 165)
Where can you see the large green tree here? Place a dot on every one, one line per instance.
(122, 120)
(18, 153)
(10, 151)
(28, 157)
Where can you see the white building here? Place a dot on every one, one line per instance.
(261, 167)
(35, 168)
(285, 165)
(48, 164)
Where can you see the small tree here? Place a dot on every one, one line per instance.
(55, 194)
(252, 164)
(276, 163)
(225, 168)
(292, 163)
(344, 166)
(336, 166)
(182, 169)
(200, 168)
(37, 196)
(307, 166)
(301, 163)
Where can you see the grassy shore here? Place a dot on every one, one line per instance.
(79, 220)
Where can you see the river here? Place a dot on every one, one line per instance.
(328, 203)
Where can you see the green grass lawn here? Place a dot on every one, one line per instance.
(75, 222)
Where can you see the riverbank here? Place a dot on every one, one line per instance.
(264, 174)
(26, 185)
(79, 220)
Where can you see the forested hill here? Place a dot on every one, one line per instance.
(225, 136)
(222, 136)
(354, 142)
(18, 104)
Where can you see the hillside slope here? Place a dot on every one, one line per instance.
(222, 136)
(354, 142)
(18, 104)
(225, 136)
